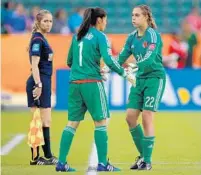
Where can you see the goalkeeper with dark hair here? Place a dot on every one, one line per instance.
(86, 90)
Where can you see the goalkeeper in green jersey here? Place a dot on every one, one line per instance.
(86, 90)
(145, 45)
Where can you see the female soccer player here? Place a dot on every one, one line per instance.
(39, 83)
(86, 87)
(146, 46)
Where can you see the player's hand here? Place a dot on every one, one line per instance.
(128, 74)
(104, 73)
(37, 93)
(132, 67)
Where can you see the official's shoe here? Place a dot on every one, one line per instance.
(40, 161)
(138, 161)
(145, 166)
(64, 167)
(108, 167)
(53, 160)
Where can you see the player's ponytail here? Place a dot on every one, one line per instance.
(147, 12)
(35, 28)
(90, 18)
(36, 25)
(85, 24)
(151, 21)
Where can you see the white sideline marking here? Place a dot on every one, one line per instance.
(11, 144)
(93, 161)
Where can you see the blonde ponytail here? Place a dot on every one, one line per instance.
(151, 22)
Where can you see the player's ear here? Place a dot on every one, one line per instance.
(99, 20)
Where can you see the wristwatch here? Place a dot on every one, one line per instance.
(39, 85)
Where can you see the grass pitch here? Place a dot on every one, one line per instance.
(177, 149)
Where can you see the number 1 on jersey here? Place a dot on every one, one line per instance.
(80, 52)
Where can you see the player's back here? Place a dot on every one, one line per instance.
(84, 56)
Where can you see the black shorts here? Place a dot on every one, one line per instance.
(45, 98)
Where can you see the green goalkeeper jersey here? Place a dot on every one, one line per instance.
(84, 56)
(147, 51)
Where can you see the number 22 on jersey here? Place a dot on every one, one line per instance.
(80, 53)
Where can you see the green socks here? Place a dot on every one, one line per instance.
(100, 136)
(137, 135)
(144, 144)
(148, 144)
(66, 140)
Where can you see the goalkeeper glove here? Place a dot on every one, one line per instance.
(104, 72)
(128, 74)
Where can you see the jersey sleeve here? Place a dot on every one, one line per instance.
(36, 47)
(154, 42)
(70, 54)
(125, 52)
(106, 53)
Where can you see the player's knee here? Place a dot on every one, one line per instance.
(128, 121)
(73, 124)
(147, 118)
(131, 120)
(100, 123)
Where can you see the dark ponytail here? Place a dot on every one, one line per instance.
(89, 19)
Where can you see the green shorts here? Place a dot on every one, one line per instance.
(147, 94)
(87, 96)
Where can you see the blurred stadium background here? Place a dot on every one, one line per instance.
(178, 123)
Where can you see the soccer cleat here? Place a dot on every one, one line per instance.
(108, 167)
(33, 162)
(64, 167)
(137, 163)
(52, 160)
(41, 161)
(145, 166)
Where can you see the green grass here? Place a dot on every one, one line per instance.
(177, 149)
